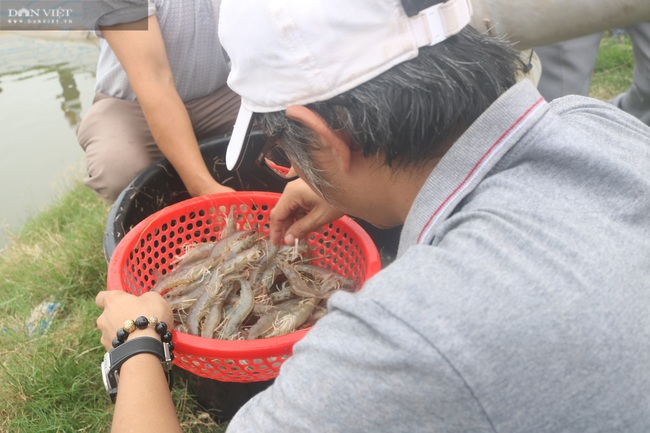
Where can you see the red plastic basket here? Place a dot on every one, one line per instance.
(151, 247)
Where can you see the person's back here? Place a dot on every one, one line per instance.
(538, 279)
(518, 301)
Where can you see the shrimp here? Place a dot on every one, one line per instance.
(239, 313)
(269, 315)
(195, 253)
(183, 277)
(231, 225)
(185, 290)
(298, 285)
(284, 294)
(203, 304)
(262, 284)
(328, 280)
(263, 325)
(288, 321)
(187, 299)
(291, 253)
(244, 287)
(216, 309)
(188, 274)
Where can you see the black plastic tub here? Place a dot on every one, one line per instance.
(159, 186)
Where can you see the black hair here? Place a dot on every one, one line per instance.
(405, 114)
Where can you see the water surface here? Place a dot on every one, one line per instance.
(46, 84)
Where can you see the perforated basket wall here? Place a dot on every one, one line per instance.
(151, 247)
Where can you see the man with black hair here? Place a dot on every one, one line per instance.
(519, 298)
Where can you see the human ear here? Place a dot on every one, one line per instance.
(332, 141)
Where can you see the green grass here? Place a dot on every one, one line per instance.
(613, 71)
(51, 382)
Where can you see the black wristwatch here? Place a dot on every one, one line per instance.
(114, 359)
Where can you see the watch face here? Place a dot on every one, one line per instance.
(106, 367)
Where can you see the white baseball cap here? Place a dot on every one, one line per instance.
(296, 52)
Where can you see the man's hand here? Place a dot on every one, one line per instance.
(119, 306)
(299, 212)
(207, 188)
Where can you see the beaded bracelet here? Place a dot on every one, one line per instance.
(141, 323)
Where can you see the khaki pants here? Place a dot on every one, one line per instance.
(118, 144)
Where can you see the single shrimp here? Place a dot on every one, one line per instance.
(182, 303)
(292, 253)
(328, 280)
(284, 294)
(268, 316)
(239, 313)
(195, 253)
(263, 283)
(199, 309)
(290, 320)
(183, 290)
(299, 285)
(231, 225)
(213, 319)
(180, 278)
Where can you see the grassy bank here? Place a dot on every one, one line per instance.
(613, 71)
(50, 381)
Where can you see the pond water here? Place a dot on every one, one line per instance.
(46, 84)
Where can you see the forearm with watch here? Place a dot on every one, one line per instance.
(139, 366)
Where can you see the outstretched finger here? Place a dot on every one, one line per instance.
(288, 208)
(310, 222)
(278, 227)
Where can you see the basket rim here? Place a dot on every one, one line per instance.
(238, 349)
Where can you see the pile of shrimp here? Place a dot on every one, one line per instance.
(243, 288)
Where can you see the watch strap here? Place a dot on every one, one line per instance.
(134, 347)
(128, 349)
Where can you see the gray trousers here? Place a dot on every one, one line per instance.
(567, 68)
(118, 144)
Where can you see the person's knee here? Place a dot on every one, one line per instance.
(112, 162)
(109, 196)
(116, 141)
(108, 175)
